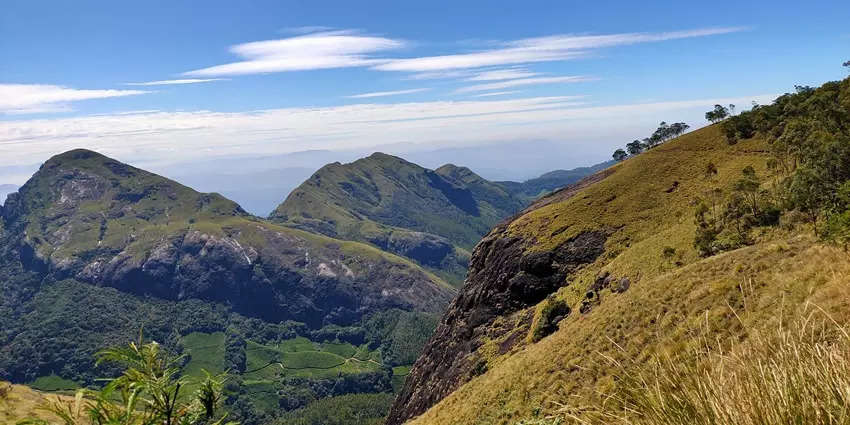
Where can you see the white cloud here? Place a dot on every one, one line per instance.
(173, 82)
(37, 98)
(540, 49)
(336, 49)
(497, 93)
(502, 74)
(440, 75)
(386, 93)
(158, 138)
(340, 49)
(523, 82)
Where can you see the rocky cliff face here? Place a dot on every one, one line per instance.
(94, 219)
(504, 278)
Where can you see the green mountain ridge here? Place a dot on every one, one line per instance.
(93, 250)
(433, 217)
(88, 217)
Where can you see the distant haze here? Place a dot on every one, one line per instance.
(259, 184)
(5, 190)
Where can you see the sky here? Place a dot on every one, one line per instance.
(174, 86)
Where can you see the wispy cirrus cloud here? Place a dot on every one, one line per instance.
(441, 75)
(175, 82)
(40, 98)
(335, 49)
(387, 93)
(319, 48)
(523, 82)
(497, 93)
(540, 49)
(502, 74)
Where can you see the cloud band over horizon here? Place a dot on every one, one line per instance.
(167, 137)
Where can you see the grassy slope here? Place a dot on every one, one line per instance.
(668, 306)
(383, 198)
(22, 402)
(383, 193)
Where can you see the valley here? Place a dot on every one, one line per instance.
(424, 213)
(292, 312)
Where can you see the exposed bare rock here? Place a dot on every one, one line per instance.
(503, 279)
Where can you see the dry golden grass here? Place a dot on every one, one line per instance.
(669, 314)
(670, 307)
(21, 402)
(797, 373)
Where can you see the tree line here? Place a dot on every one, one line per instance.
(807, 181)
(662, 134)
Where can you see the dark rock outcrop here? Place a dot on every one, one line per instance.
(503, 278)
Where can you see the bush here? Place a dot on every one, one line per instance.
(553, 311)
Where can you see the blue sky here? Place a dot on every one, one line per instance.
(403, 77)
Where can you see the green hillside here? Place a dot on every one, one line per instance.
(88, 217)
(706, 241)
(93, 251)
(433, 217)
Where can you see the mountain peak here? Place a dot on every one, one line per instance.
(381, 155)
(89, 217)
(459, 173)
(93, 162)
(77, 154)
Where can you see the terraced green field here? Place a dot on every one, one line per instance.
(206, 351)
(293, 357)
(266, 364)
(399, 375)
(304, 358)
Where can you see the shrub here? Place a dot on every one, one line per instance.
(553, 311)
(148, 392)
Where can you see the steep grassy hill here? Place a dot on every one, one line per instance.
(431, 216)
(607, 271)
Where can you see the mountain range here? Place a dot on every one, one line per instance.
(349, 273)
(703, 274)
